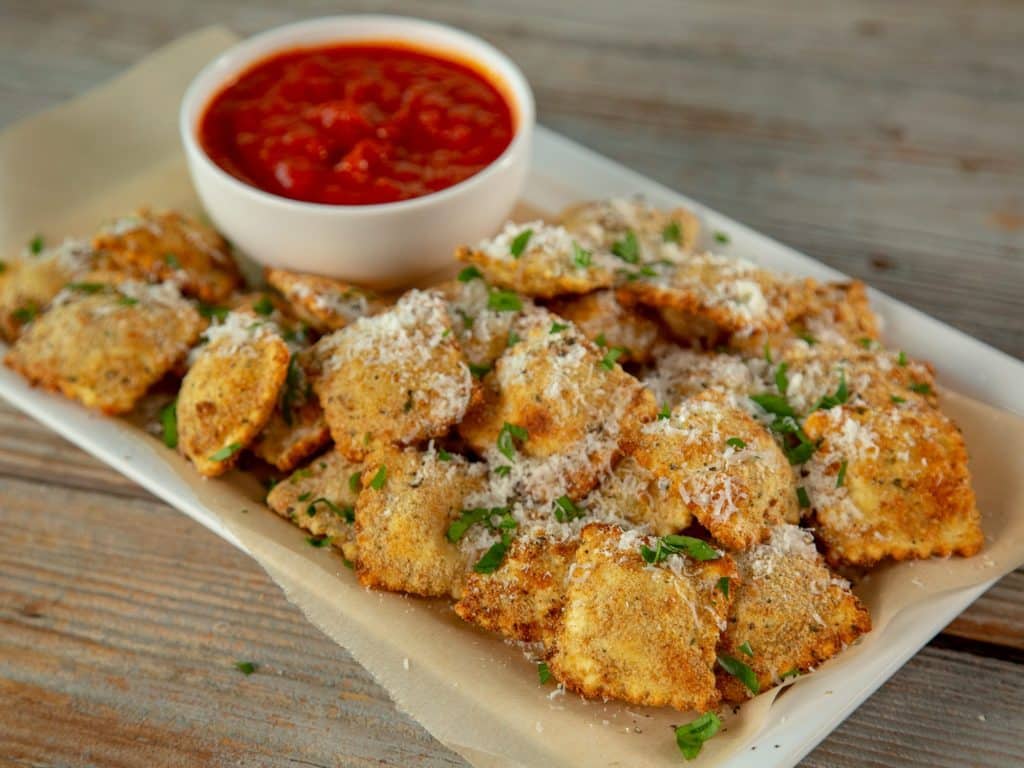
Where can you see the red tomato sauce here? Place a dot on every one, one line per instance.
(356, 124)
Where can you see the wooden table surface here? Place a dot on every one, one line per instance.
(884, 139)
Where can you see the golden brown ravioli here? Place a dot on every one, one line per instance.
(631, 227)
(323, 303)
(610, 325)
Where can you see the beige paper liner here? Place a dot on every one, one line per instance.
(116, 148)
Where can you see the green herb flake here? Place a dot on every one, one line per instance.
(566, 510)
(767, 353)
(628, 248)
(665, 412)
(380, 478)
(601, 341)
(745, 648)
(127, 301)
(901, 358)
(263, 306)
(470, 273)
(866, 342)
(897, 399)
(503, 471)
(213, 312)
(722, 237)
(672, 233)
(581, 257)
(443, 455)
(520, 242)
(513, 339)
(507, 436)
(171, 260)
(305, 496)
(675, 544)
(811, 341)
(557, 327)
(245, 667)
(503, 301)
(790, 673)
(841, 395)
(739, 670)
(169, 424)
(921, 388)
(736, 442)
(345, 513)
(690, 737)
(35, 245)
(841, 477)
(802, 498)
(723, 585)
(781, 380)
(543, 673)
(775, 404)
(226, 452)
(613, 354)
(469, 517)
(493, 557)
(355, 482)
(319, 542)
(86, 287)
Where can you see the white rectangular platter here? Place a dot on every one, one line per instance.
(564, 173)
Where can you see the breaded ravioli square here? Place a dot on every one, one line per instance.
(540, 260)
(540, 415)
(297, 428)
(681, 373)
(167, 245)
(635, 493)
(725, 467)
(522, 600)
(323, 303)
(631, 227)
(644, 634)
(29, 281)
(321, 498)
(104, 346)
(484, 329)
(395, 378)
(609, 324)
(230, 391)
(409, 499)
(890, 482)
(727, 294)
(789, 613)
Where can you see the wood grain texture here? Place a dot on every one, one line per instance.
(882, 139)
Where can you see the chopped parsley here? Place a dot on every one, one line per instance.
(842, 394)
(172, 260)
(774, 404)
(901, 358)
(581, 257)
(690, 737)
(921, 388)
(627, 249)
(739, 670)
(169, 423)
(245, 667)
(767, 353)
(499, 520)
(722, 237)
(86, 287)
(736, 442)
(291, 395)
(495, 556)
(566, 510)
(226, 452)
(781, 380)
(380, 478)
(305, 496)
(127, 301)
(842, 474)
(504, 301)
(467, 319)
(263, 306)
(470, 273)
(675, 544)
(672, 233)
(811, 341)
(443, 455)
(212, 311)
(543, 673)
(520, 242)
(355, 482)
(745, 648)
(503, 471)
(794, 672)
(665, 412)
(613, 354)
(866, 342)
(479, 371)
(470, 517)
(300, 474)
(507, 436)
(345, 513)
(318, 541)
(802, 498)
(897, 399)
(557, 327)
(35, 245)
(723, 585)
(601, 341)
(513, 339)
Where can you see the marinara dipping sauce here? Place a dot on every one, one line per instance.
(356, 124)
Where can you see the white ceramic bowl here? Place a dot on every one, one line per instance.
(386, 245)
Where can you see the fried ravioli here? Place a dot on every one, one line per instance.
(230, 392)
(393, 379)
(167, 245)
(540, 260)
(789, 613)
(322, 303)
(643, 634)
(724, 467)
(636, 494)
(681, 373)
(483, 332)
(522, 600)
(30, 281)
(609, 324)
(297, 428)
(409, 499)
(321, 498)
(538, 417)
(104, 346)
(890, 483)
(659, 235)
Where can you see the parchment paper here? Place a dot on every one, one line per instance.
(106, 153)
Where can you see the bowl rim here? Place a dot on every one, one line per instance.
(237, 58)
